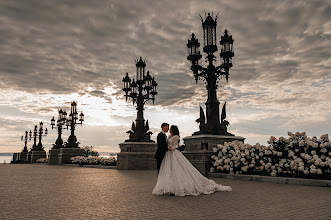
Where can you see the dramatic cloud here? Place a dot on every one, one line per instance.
(53, 52)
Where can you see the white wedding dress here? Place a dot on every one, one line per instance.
(178, 176)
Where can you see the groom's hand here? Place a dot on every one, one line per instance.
(169, 148)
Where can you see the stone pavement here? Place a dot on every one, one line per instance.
(39, 191)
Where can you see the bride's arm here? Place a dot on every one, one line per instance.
(175, 141)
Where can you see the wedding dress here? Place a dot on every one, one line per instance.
(178, 176)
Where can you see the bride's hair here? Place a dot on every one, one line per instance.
(175, 130)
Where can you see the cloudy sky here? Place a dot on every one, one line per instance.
(53, 52)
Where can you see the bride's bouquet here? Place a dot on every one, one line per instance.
(295, 156)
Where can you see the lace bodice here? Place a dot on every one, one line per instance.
(173, 141)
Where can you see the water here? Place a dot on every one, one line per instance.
(5, 158)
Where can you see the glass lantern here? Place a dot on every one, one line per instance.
(193, 50)
(140, 70)
(149, 81)
(154, 85)
(209, 34)
(126, 83)
(60, 114)
(53, 121)
(227, 49)
(81, 117)
(133, 89)
(75, 115)
(73, 106)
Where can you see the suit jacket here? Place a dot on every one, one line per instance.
(162, 146)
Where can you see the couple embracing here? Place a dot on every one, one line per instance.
(176, 175)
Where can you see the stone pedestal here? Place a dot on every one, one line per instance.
(29, 156)
(66, 154)
(198, 149)
(53, 157)
(24, 157)
(15, 157)
(137, 156)
(36, 155)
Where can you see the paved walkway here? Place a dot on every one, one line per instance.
(40, 191)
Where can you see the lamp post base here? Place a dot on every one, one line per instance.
(199, 148)
(53, 156)
(36, 155)
(72, 142)
(24, 157)
(29, 156)
(214, 129)
(66, 154)
(16, 158)
(137, 156)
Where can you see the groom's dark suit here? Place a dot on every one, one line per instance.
(162, 148)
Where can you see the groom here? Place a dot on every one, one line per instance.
(162, 145)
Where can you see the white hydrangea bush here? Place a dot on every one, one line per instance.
(295, 156)
(94, 160)
(42, 160)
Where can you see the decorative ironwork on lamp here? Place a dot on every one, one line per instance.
(140, 91)
(211, 74)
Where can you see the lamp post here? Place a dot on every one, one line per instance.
(72, 122)
(135, 90)
(25, 149)
(40, 133)
(37, 133)
(62, 117)
(34, 135)
(211, 74)
(37, 151)
(23, 156)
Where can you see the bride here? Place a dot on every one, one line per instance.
(179, 177)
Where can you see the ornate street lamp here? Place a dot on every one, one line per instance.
(38, 133)
(135, 90)
(34, 135)
(41, 131)
(25, 149)
(61, 121)
(211, 74)
(72, 122)
(23, 156)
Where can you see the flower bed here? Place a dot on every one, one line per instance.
(295, 156)
(107, 161)
(42, 160)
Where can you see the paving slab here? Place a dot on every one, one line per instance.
(282, 180)
(31, 191)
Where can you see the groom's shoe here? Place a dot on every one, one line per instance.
(172, 194)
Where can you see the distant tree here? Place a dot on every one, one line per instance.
(89, 151)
